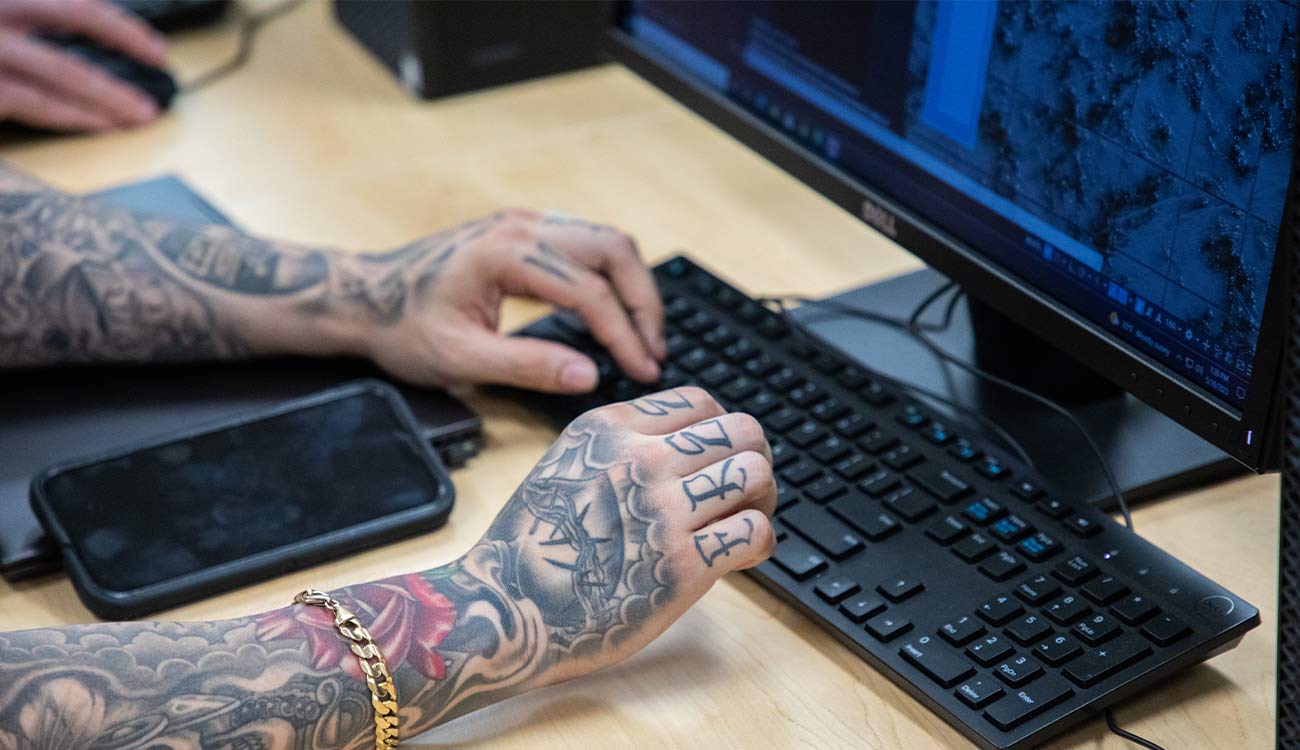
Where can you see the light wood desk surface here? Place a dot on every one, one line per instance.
(314, 142)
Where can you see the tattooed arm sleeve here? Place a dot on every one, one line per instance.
(81, 281)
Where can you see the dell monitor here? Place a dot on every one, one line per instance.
(1106, 187)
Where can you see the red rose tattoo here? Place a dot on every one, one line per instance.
(406, 616)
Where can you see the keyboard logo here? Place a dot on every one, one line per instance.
(878, 217)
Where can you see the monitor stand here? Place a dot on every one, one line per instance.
(1150, 454)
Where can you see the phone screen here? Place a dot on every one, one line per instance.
(162, 512)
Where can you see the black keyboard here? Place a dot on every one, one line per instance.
(998, 602)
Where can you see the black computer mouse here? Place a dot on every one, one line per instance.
(156, 82)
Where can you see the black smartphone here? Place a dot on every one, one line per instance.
(204, 511)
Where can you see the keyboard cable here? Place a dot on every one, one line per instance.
(249, 26)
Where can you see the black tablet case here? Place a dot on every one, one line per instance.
(53, 415)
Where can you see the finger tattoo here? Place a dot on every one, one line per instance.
(702, 487)
(658, 406)
(551, 261)
(714, 545)
(697, 439)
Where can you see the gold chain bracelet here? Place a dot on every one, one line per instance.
(383, 695)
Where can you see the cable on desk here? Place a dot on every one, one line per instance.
(248, 29)
(1124, 733)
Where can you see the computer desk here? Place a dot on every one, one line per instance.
(313, 141)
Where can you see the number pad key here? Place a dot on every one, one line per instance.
(1018, 670)
(989, 650)
(1028, 630)
(1057, 650)
(1067, 609)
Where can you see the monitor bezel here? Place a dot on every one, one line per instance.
(1250, 437)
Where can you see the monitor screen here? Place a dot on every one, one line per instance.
(1129, 160)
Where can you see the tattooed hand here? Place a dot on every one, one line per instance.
(86, 282)
(448, 330)
(634, 512)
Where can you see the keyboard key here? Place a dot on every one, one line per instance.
(1105, 589)
(772, 328)
(989, 650)
(974, 548)
(740, 352)
(750, 311)
(761, 366)
(1067, 609)
(1075, 570)
(992, 468)
(1165, 630)
(1095, 629)
(878, 483)
(806, 395)
(784, 380)
(695, 360)
(963, 451)
(876, 442)
(937, 433)
(798, 558)
(830, 450)
(829, 410)
(908, 505)
(1054, 508)
(984, 511)
(854, 466)
(824, 489)
(853, 425)
(961, 631)
(978, 692)
(1002, 566)
(762, 404)
(1037, 589)
(823, 530)
(853, 377)
(900, 588)
(1000, 609)
(698, 323)
(1057, 650)
(739, 389)
(940, 482)
(1027, 490)
(911, 416)
(785, 497)
(1134, 609)
(715, 375)
(801, 472)
(1026, 703)
(805, 433)
(864, 516)
(859, 608)
(679, 309)
(902, 457)
(783, 419)
(837, 588)
(827, 363)
(1099, 663)
(947, 530)
(1010, 528)
(1028, 630)
(1038, 547)
(783, 454)
(936, 661)
(1083, 526)
(887, 627)
(1018, 670)
(876, 394)
(720, 337)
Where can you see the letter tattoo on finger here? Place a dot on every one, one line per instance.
(715, 545)
(659, 405)
(703, 487)
(695, 440)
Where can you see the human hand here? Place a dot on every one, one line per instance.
(630, 517)
(44, 87)
(434, 305)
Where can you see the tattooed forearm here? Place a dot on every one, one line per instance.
(571, 568)
(81, 281)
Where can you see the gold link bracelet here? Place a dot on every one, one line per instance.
(383, 695)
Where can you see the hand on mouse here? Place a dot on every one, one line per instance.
(430, 309)
(42, 86)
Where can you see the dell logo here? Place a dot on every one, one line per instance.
(879, 218)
